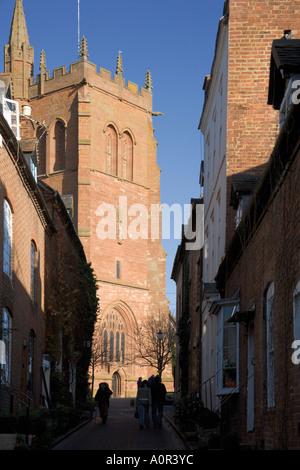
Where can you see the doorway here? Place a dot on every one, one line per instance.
(116, 385)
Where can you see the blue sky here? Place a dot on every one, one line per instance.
(175, 38)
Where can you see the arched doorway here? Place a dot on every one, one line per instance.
(116, 385)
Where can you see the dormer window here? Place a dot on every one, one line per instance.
(242, 187)
(241, 208)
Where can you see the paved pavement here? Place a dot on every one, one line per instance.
(121, 432)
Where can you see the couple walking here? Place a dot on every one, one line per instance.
(153, 396)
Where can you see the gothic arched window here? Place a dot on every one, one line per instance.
(111, 150)
(123, 346)
(111, 346)
(115, 350)
(117, 346)
(127, 157)
(105, 346)
(60, 145)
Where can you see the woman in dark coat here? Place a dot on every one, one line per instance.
(102, 397)
(158, 391)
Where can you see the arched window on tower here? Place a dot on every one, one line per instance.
(127, 157)
(60, 145)
(111, 150)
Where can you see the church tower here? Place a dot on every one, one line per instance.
(18, 54)
(96, 147)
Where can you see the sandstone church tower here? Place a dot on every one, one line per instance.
(96, 147)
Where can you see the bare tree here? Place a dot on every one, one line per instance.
(154, 342)
(99, 352)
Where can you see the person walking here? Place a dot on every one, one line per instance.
(143, 402)
(158, 395)
(102, 397)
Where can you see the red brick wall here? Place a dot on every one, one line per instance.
(87, 110)
(15, 293)
(252, 125)
(272, 255)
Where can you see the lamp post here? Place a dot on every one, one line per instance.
(159, 337)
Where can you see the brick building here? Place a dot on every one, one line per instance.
(187, 274)
(239, 132)
(25, 223)
(260, 274)
(99, 152)
(37, 235)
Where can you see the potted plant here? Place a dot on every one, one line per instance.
(8, 431)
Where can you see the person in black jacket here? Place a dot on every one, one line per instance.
(158, 392)
(102, 397)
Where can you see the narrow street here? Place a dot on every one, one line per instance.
(121, 432)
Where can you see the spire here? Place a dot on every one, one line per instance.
(119, 69)
(18, 54)
(43, 62)
(148, 83)
(18, 30)
(83, 49)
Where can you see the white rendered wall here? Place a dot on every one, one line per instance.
(214, 130)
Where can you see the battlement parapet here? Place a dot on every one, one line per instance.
(87, 71)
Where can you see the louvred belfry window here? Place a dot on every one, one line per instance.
(111, 150)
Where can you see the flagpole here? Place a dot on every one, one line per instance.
(78, 27)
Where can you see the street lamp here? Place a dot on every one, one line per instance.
(160, 337)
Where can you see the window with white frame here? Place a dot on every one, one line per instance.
(7, 238)
(270, 368)
(33, 169)
(241, 209)
(11, 114)
(227, 349)
(296, 312)
(5, 337)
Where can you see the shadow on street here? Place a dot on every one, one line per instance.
(121, 432)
